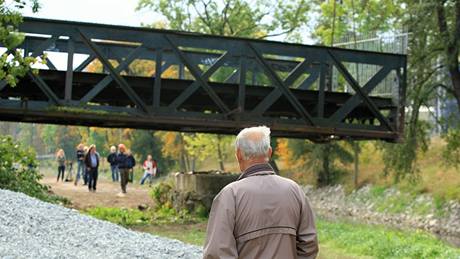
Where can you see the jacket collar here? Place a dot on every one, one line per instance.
(257, 169)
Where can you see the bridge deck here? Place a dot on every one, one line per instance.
(218, 84)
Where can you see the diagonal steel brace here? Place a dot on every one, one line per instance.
(120, 80)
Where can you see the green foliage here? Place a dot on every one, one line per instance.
(254, 19)
(201, 211)
(134, 217)
(124, 217)
(377, 191)
(392, 201)
(161, 194)
(322, 158)
(168, 215)
(401, 159)
(18, 171)
(381, 242)
(396, 204)
(358, 17)
(12, 64)
(451, 153)
(204, 146)
(145, 142)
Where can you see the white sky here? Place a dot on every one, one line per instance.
(116, 12)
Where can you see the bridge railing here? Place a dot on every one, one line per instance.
(265, 76)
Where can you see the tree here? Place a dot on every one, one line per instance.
(339, 18)
(204, 146)
(451, 153)
(254, 19)
(448, 35)
(356, 149)
(321, 159)
(12, 63)
(146, 142)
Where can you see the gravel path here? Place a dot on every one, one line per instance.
(30, 228)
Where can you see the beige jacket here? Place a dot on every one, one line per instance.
(262, 215)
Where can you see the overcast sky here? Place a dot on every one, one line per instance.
(117, 12)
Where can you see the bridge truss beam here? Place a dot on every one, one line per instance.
(169, 80)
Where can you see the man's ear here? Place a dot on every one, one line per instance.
(238, 154)
(270, 152)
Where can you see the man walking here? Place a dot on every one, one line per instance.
(261, 215)
(112, 159)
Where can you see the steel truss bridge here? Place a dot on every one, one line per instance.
(117, 76)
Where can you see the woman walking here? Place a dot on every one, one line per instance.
(92, 165)
(150, 170)
(60, 158)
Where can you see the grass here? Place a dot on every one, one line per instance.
(338, 239)
(196, 234)
(381, 242)
(434, 176)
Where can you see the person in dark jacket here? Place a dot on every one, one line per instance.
(92, 165)
(112, 159)
(123, 167)
(131, 163)
(80, 163)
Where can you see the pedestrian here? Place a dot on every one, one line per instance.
(80, 163)
(92, 166)
(123, 167)
(131, 163)
(112, 159)
(60, 158)
(261, 215)
(150, 170)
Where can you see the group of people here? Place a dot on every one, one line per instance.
(260, 215)
(121, 163)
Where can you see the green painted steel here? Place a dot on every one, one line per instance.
(203, 83)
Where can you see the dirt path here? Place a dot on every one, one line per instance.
(105, 196)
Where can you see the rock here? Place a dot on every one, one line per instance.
(142, 207)
(34, 229)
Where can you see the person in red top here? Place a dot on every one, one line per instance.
(150, 170)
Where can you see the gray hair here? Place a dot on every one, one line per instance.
(253, 142)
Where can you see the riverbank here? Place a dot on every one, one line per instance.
(389, 207)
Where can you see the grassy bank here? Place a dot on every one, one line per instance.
(337, 239)
(433, 176)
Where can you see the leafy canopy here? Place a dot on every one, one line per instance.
(12, 63)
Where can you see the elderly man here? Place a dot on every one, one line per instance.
(261, 215)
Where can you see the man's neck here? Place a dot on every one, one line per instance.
(253, 162)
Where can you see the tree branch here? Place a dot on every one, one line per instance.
(429, 75)
(457, 23)
(442, 22)
(225, 18)
(202, 18)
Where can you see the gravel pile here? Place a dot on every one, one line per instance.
(30, 228)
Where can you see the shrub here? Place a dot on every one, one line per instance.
(18, 171)
(124, 217)
(162, 193)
